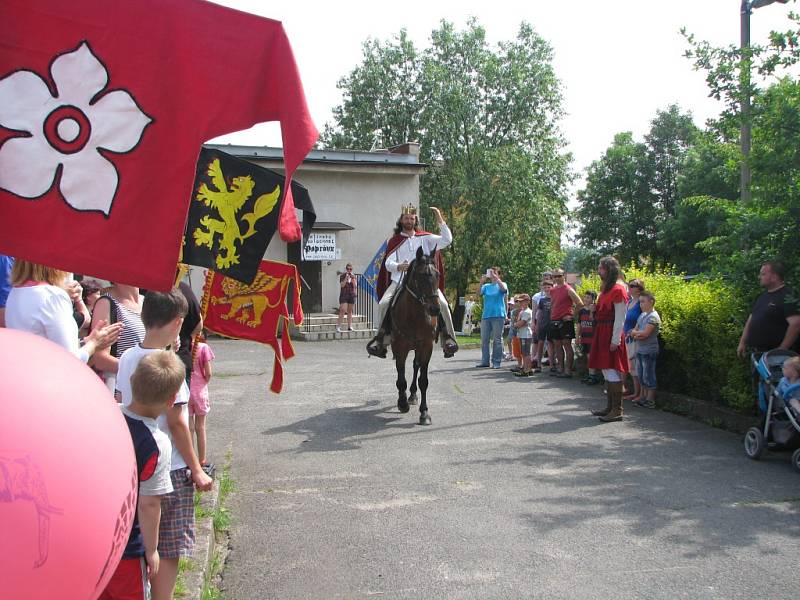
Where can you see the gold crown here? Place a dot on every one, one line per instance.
(409, 209)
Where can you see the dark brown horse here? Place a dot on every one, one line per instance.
(413, 327)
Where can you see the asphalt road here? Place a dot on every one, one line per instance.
(514, 491)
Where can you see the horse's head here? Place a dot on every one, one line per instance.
(423, 280)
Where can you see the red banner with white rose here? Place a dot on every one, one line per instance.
(256, 311)
(104, 107)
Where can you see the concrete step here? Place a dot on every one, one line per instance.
(317, 319)
(328, 336)
(310, 328)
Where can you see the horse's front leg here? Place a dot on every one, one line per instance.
(400, 364)
(424, 361)
(413, 398)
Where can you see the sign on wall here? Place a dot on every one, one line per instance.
(320, 246)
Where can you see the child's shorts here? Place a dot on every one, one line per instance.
(176, 532)
(646, 369)
(129, 581)
(515, 348)
(525, 346)
(199, 404)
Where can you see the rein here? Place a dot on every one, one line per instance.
(404, 286)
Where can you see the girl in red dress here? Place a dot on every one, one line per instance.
(608, 348)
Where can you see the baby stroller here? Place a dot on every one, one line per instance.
(780, 422)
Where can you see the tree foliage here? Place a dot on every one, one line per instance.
(617, 207)
(381, 98)
(487, 120)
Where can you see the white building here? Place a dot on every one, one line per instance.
(358, 197)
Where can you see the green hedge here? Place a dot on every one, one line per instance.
(702, 322)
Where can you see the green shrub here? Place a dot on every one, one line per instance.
(702, 322)
(477, 310)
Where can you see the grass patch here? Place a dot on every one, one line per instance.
(221, 519)
(221, 515)
(184, 564)
(468, 339)
(210, 591)
(200, 512)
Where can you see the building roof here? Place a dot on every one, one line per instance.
(331, 226)
(401, 156)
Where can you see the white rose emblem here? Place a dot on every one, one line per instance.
(67, 130)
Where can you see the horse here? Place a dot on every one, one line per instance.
(413, 328)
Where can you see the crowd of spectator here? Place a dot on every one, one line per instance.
(141, 347)
(615, 333)
(614, 330)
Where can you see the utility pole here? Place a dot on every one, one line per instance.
(744, 82)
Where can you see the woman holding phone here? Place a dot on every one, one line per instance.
(347, 298)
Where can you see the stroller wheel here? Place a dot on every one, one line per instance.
(754, 443)
(796, 460)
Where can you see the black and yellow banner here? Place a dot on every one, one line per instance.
(234, 214)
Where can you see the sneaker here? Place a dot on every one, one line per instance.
(594, 380)
(507, 356)
(481, 366)
(645, 403)
(495, 366)
(339, 330)
(350, 329)
(522, 374)
(515, 369)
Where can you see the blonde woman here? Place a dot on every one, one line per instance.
(39, 302)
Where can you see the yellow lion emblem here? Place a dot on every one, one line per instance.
(246, 297)
(228, 203)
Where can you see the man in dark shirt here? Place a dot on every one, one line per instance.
(775, 319)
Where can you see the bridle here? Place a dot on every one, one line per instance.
(423, 299)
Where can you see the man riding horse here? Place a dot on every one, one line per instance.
(400, 251)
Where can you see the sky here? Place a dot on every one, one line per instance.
(619, 61)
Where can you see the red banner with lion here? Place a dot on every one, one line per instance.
(256, 311)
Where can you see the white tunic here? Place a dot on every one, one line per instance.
(407, 251)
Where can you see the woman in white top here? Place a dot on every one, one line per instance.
(39, 303)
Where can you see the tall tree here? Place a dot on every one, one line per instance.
(487, 119)
(767, 226)
(381, 98)
(672, 133)
(617, 208)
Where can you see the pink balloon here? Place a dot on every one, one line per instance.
(68, 480)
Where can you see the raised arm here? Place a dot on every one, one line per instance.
(445, 237)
